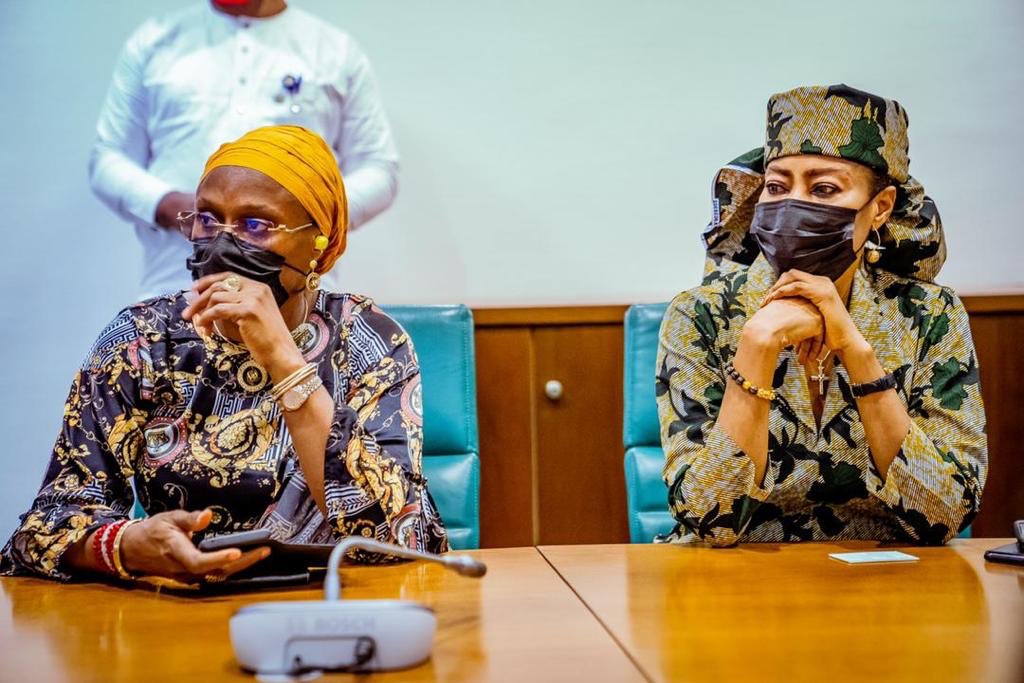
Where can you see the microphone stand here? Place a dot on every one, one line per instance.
(463, 564)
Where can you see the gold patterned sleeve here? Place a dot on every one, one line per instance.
(87, 479)
(934, 484)
(712, 488)
(373, 480)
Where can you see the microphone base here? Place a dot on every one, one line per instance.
(293, 637)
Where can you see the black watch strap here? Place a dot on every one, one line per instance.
(883, 383)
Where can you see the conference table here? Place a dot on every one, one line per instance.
(581, 613)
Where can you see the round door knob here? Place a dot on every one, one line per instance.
(553, 389)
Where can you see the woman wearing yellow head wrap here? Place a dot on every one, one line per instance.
(302, 163)
(255, 400)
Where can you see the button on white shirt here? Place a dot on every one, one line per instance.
(189, 82)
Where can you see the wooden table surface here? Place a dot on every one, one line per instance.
(519, 623)
(789, 612)
(585, 614)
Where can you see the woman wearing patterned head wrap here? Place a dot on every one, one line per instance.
(819, 385)
(255, 400)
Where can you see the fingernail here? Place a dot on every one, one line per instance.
(191, 295)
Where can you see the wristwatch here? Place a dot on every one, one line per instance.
(887, 381)
(295, 397)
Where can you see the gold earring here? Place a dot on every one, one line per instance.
(313, 278)
(875, 249)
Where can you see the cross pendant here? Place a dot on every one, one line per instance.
(820, 378)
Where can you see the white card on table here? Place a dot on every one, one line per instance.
(873, 556)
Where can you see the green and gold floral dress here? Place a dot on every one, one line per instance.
(821, 482)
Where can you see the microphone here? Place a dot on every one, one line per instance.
(463, 564)
(466, 566)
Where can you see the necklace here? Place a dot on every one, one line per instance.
(821, 377)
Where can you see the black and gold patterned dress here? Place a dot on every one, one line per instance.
(189, 423)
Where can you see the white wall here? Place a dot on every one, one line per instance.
(553, 153)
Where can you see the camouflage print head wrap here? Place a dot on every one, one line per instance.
(843, 122)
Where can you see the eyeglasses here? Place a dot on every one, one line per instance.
(198, 225)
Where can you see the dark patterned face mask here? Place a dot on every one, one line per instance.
(815, 238)
(226, 253)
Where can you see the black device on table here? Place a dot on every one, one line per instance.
(1011, 553)
(288, 564)
(294, 554)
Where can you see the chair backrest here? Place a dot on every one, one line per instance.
(640, 423)
(646, 495)
(443, 337)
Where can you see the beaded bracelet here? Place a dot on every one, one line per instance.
(100, 548)
(766, 394)
(106, 547)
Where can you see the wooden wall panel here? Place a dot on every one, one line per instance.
(998, 340)
(552, 471)
(581, 491)
(505, 414)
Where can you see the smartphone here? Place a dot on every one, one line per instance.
(1009, 553)
(297, 554)
(243, 540)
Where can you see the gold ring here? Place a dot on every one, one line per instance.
(214, 578)
(231, 283)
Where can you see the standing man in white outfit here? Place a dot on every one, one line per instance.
(186, 83)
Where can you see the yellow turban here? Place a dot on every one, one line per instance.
(303, 164)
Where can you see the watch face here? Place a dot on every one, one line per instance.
(292, 400)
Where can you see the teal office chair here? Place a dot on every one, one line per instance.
(443, 337)
(646, 495)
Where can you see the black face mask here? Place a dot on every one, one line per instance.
(814, 238)
(226, 253)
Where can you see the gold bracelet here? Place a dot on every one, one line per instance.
(292, 380)
(298, 381)
(297, 396)
(122, 573)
